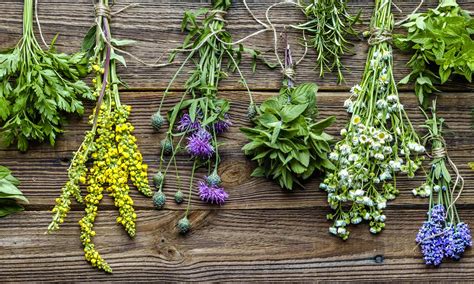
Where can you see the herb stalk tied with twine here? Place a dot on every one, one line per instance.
(108, 158)
(286, 141)
(198, 120)
(442, 46)
(38, 88)
(443, 235)
(328, 26)
(378, 143)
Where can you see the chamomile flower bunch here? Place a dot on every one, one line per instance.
(108, 159)
(378, 143)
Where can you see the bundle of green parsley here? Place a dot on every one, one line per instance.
(38, 88)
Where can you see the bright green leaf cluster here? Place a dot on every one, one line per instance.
(287, 142)
(9, 193)
(38, 88)
(441, 39)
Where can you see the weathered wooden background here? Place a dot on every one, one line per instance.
(262, 233)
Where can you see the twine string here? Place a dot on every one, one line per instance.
(219, 15)
(378, 36)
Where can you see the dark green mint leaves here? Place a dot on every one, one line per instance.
(287, 142)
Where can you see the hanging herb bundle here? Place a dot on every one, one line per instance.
(443, 235)
(10, 195)
(38, 88)
(287, 142)
(199, 119)
(441, 40)
(378, 142)
(108, 158)
(328, 25)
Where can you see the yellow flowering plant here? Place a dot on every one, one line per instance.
(108, 158)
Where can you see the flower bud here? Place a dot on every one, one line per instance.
(166, 146)
(158, 179)
(159, 199)
(178, 197)
(183, 225)
(213, 179)
(157, 120)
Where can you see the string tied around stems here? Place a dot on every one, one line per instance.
(289, 73)
(102, 10)
(377, 35)
(439, 153)
(219, 15)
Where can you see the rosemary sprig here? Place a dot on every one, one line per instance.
(328, 26)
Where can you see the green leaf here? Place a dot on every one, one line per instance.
(119, 58)
(8, 206)
(122, 42)
(291, 112)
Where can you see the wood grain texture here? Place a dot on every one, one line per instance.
(262, 233)
(225, 245)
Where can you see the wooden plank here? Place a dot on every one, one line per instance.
(225, 245)
(43, 169)
(156, 27)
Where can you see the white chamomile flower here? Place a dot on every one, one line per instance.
(355, 141)
(334, 156)
(379, 156)
(343, 132)
(359, 192)
(348, 103)
(356, 120)
(343, 174)
(341, 231)
(345, 149)
(392, 98)
(363, 139)
(356, 90)
(387, 150)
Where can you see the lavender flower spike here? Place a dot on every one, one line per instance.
(199, 144)
(212, 193)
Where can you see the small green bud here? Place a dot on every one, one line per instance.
(166, 146)
(178, 197)
(158, 180)
(213, 179)
(251, 111)
(183, 225)
(159, 199)
(157, 120)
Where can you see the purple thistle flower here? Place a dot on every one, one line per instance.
(212, 193)
(186, 124)
(438, 214)
(430, 237)
(199, 144)
(222, 125)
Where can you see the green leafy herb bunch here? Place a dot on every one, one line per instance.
(378, 143)
(195, 123)
(441, 40)
(328, 27)
(287, 141)
(38, 88)
(10, 195)
(108, 159)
